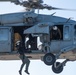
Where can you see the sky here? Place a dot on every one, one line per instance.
(37, 67)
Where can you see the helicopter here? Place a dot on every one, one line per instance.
(29, 26)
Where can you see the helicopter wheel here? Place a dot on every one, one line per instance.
(49, 59)
(57, 67)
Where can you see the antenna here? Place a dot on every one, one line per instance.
(68, 19)
(53, 13)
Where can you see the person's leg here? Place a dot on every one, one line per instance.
(22, 65)
(27, 61)
(27, 65)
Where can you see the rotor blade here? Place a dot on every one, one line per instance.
(14, 1)
(54, 8)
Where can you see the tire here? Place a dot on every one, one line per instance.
(57, 70)
(49, 59)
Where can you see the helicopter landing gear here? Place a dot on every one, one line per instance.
(57, 67)
(49, 59)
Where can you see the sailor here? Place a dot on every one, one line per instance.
(55, 33)
(22, 56)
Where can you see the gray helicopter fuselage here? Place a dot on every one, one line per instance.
(38, 25)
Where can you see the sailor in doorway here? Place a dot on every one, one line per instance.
(22, 56)
(55, 33)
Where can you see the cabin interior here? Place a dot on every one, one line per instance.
(29, 43)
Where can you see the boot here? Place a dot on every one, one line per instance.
(20, 72)
(27, 72)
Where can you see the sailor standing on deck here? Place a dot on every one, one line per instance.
(22, 56)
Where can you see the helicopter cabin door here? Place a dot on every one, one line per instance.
(5, 39)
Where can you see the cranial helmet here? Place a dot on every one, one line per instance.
(18, 42)
(55, 27)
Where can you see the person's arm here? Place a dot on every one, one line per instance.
(17, 48)
(59, 33)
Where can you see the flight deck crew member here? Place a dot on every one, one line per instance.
(55, 33)
(22, 56)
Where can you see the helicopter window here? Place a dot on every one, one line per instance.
(66, 32)
(4, 34)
